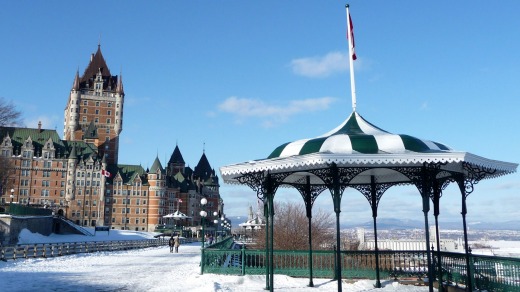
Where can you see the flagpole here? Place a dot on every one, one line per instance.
(350, 37)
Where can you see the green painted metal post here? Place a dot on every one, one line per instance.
(266, 261)
(436, 212)
(336, 197)
(243, 251)
(462, 187)
(271, 243)
(373, 196)
(426, 208)
(308, 205)
(202, 249)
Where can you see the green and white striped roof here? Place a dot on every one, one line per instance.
(358, 143)
(357, 136)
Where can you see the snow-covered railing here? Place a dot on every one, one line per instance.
(44, 250)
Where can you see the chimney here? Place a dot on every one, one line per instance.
(39, 126)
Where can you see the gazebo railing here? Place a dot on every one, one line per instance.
(489, 272)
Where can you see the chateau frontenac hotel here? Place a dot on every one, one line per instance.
(80, 177)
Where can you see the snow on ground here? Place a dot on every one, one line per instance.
(151, 269)
(501, 248)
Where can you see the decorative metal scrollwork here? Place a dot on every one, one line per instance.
(263, 183)
(255, 180)
(366, 190)
(473, 175)
(309, 193)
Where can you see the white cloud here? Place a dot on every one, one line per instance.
(321, 66)
(272, 113)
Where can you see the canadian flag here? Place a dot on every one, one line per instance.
(105, 173)
(180, 201)
(351, 38)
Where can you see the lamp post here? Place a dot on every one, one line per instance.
(203, 215)
(215, 224)
(12, 195)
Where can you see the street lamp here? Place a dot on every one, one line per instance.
(12, 195)
(203, 215)
(215, 224)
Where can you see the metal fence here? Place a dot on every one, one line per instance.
(44, 250)
(489, 272)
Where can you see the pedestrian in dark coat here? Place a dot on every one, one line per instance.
(171, 243)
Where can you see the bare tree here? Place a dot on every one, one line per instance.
(9, 116)
(291, 228)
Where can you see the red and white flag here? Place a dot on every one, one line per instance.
(180, 201)
(105, 173)
(351, 38)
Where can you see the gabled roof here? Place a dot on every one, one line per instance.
(91, 132)
(82, 150)
(38, 136)
(176, 156)
(128, 173)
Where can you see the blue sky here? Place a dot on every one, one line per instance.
(243, 77)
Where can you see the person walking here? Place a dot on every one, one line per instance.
(171, 243)
(177, 243)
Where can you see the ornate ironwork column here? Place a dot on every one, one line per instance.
(336, 198)
(438, 186)
(466, 181)
(337, 179)
(309, 194)
(425, 190)
(373, 194)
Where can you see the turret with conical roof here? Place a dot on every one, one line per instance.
(203, 169)
(156, 166)
(176, 163)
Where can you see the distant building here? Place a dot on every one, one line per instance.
(407, 243)
(80, 177)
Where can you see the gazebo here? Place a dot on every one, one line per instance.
(359, 155)
(362, 156)
(253, 222)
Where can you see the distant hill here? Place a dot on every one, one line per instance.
(393, 223)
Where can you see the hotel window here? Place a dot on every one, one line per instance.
(97, 103)
(84, 110)
(85, 102)
(108, 121)
(96, 120)
(84, 119)
(109, 113)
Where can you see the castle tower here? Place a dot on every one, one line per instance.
(176, 163)
(94, 112)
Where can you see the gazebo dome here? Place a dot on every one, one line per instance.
(357, 136)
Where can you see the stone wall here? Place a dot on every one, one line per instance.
(10, 227)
